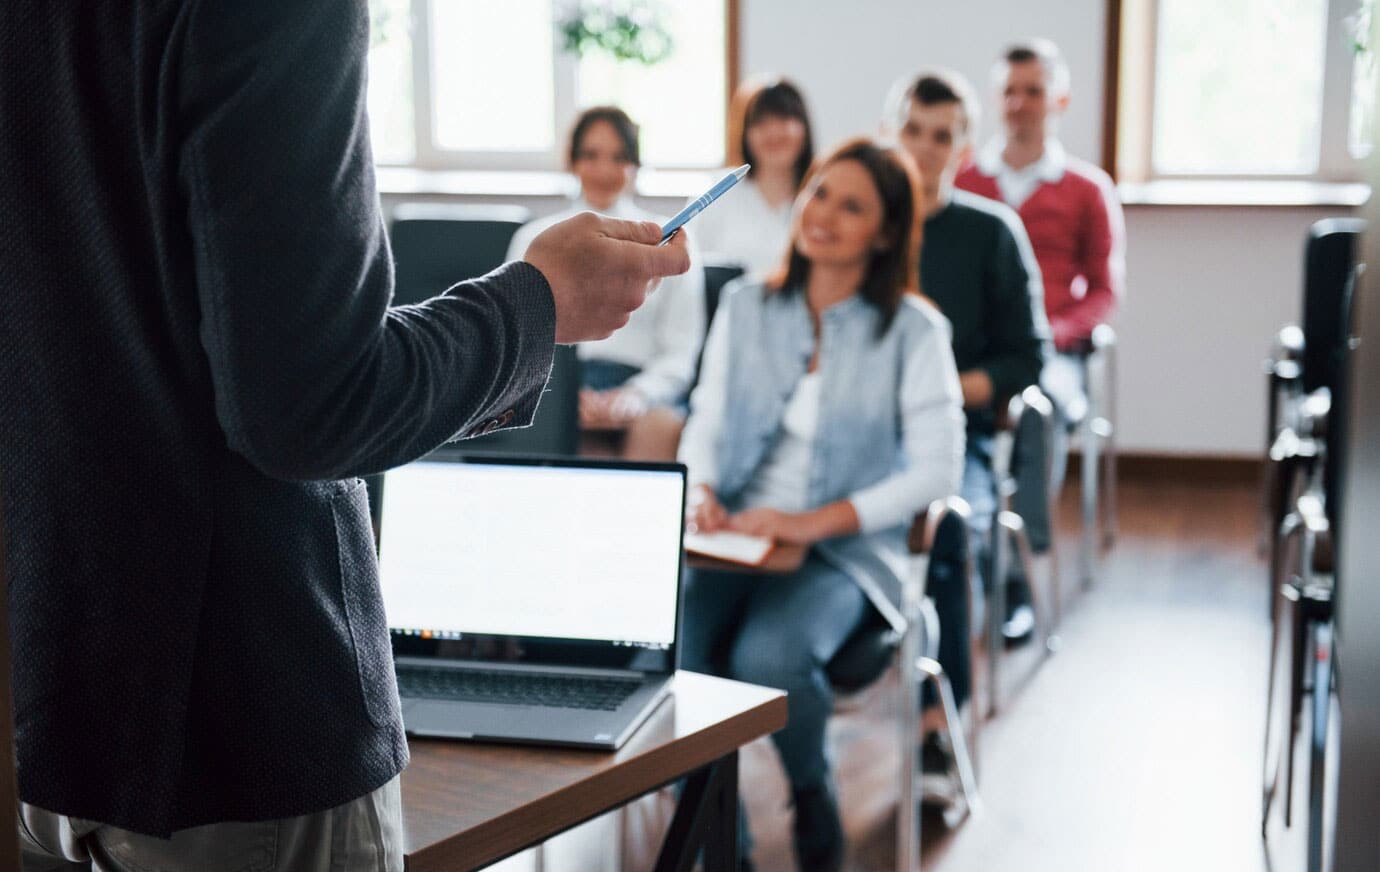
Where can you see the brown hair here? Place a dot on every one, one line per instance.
(758, 99)
(940, 88)
(1046, 53)
(893, 272)
(617, 119)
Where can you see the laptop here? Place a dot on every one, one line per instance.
(532, 600)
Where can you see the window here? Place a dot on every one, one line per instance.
(1242, 88)
(475, 84)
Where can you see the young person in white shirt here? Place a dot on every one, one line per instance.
(636, 380)
(769, 128)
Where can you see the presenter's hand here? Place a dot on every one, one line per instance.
(601, 269)
(788, 527)
(705, 513)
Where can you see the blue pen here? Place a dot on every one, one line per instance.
(720, 188)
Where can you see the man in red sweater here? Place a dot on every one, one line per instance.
(1069, 208)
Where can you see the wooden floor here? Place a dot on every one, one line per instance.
(1136, 747)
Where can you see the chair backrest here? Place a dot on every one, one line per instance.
(1329, 259)
(436, 245)
(867, 653)
(715, 277)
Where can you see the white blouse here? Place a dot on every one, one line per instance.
(782, 481)
(743, 229)
(663, 337)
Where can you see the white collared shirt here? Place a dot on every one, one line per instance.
(1016, 185)
(663, 337)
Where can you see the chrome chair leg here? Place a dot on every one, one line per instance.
(932, 672)
(1088, 492)
(1014, 527)
(1108, 418)
(1288, 531)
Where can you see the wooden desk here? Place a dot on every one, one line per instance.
(781, 560)
(466, 805)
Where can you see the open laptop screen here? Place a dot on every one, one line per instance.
(475, 549)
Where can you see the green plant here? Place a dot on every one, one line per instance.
(625, 31)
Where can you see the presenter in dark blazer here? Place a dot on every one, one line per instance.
(197, 360)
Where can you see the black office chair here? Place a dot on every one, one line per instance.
(1306, 358)
(875, 645)
(436, 245)
(716, 276)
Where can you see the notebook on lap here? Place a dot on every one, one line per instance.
(532, 600)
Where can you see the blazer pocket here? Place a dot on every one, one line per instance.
(368, 624)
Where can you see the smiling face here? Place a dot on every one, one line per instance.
(775, 141)
(840, 216)
(936, 136)
(602, 165)
(1028, 101)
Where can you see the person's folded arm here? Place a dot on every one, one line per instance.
(314, 376)
(1101, 262)
(932, 432)
(1015, 314)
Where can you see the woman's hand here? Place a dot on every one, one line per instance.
(705, 513)
(778, 526)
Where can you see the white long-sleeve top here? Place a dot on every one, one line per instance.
(931, 430)
(742, 228)
(662, 338)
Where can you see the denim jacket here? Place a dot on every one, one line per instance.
(890, 431)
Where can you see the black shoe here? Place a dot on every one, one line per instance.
(818, 829)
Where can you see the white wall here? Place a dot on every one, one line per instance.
(846, 55)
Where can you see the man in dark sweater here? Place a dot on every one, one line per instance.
(976, 264)
(199, 360)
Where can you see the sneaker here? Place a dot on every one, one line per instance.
(938, 781)
(1019, 626)
(818, 829)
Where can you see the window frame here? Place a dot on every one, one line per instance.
(428, 155)
(1129, 100)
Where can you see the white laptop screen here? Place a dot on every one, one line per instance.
(510, 549)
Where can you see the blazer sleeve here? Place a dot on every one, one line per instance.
(314, 375)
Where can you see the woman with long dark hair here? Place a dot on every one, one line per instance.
(769, 128)
(828, 414)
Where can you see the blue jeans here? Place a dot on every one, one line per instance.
(777, 631)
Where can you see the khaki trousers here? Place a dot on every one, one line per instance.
(364, 835)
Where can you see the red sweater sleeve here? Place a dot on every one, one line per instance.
(1101, 257)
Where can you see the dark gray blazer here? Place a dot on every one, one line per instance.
(197, 359)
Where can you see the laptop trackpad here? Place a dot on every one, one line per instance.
(466, 720)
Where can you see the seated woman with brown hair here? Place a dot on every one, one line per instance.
(828, 414)
(635, 381)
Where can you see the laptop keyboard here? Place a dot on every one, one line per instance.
(516, 688)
